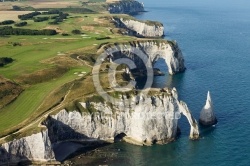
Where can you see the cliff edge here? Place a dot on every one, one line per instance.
(140, 119)
(148, 29)
(125, 7)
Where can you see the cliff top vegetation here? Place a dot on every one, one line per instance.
(51, 72)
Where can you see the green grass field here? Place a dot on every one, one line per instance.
(32, 98)
(38, 53)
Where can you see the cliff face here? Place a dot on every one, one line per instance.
(139, 28)
(126, 7)
(35, 147)
(143, 120)
(153, 50)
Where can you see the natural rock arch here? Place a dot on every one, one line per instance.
(152, 50)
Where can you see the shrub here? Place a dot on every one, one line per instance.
(65, 34)
(102, 38)
(7, 22)
(17, 8)
(16, 44)
(76, 31)
(40, 19)
(5, 61)
(21, 24)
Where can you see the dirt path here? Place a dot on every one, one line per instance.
(84, 62)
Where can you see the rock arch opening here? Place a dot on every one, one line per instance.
(119, 137)
(160, 73)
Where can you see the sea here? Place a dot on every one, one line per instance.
(214, 36)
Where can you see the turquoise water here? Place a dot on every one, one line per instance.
(215, 39)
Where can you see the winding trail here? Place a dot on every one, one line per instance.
(83, 61)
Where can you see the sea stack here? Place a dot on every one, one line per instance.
(207, 116)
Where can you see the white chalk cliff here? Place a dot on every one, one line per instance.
(143, 119)
(36, 147)
(207, 116)
(153, 50)
(140, 28)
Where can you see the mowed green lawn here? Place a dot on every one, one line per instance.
(35, 49)
(28, 59)
(31, 98)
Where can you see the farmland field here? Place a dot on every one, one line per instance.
(11, 15)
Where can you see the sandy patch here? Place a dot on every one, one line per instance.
(80, 20)
(98, 20)
(87, 28)
(60, 53)
(11, 15)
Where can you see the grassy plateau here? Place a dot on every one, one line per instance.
(51, 70)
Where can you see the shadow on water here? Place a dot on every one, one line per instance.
(206, 130)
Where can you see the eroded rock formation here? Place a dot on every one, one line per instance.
(142, 119)
(207, 116)
(36, 147)
(140, 28)
(153, 50)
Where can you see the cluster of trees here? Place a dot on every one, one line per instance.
(5, 61)
(21, 24)
(51, 12)
(40, 19)
(56, 20)
(59, 18)
(8, 30)
(7, 22)
(28, 16)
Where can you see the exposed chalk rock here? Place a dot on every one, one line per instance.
(207, 116)
(142, 119)
(36, 147)
(140, 28)
(153, 50)
(194, 129)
